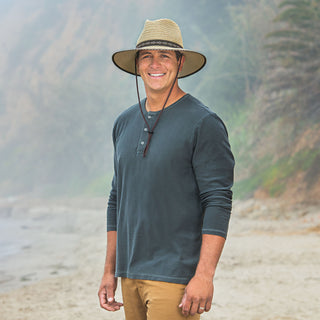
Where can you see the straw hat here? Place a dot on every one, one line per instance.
(162, 34)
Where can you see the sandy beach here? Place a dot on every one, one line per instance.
(52, 255)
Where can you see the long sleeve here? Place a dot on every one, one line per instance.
(112, 208)
(213, 164)
(112, 202)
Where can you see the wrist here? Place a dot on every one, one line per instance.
(109, 270)
(205, 273)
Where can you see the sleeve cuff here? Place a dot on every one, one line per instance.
(216, 221)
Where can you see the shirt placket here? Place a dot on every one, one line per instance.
(151, 118)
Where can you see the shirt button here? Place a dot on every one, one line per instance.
(142, 142)
(145, 129)
(149, 117)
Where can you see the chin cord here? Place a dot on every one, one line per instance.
(151, 130)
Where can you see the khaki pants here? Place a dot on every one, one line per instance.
(152, 300)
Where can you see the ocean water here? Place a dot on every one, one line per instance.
(12, 238)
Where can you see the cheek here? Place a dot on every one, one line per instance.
(141, 67)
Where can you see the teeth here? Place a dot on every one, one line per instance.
(156, 74)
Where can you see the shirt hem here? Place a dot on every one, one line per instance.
(178, 280)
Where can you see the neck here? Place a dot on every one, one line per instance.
(155, 101)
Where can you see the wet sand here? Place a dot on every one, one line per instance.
(52, 255)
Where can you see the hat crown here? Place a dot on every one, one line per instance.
(162, 29)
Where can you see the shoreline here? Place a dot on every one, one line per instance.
(269, 268)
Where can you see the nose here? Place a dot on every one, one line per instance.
(155, 62)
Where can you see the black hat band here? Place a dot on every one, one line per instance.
(164, 43)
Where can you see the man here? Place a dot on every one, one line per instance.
(170, 202)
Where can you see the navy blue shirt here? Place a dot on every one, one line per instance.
(161, 204)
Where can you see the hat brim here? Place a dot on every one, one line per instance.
(194, 61)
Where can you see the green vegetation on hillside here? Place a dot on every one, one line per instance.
(293, 79)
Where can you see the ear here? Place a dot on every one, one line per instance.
(183, 58)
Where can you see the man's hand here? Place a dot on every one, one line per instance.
(198, 296)
(106, 293)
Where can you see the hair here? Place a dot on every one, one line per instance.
(178, 54)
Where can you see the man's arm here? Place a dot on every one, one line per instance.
(109, 281)
(199, 291)
(213, 165)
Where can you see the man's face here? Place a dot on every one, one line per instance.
(158, 69)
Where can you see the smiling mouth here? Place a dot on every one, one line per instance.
(156, 74)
